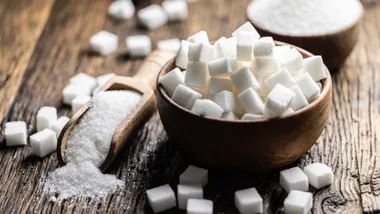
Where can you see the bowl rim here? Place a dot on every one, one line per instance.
(326, 88)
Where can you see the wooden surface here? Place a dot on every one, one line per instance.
(43, 44)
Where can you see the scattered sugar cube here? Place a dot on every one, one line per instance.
(171, 80)
(282, 77)
(199, 37)
(46, 116)
(252, 117)
(229, 102)
(265, 67)
(247, 27)
(264, 47)
(298, 202)
(299, 100)
(181, 58)
(185, 192)
(268, 114)
(308, 87)
(248, 201)
(279, 99)
(217, 85)
(201, 52)
(59, 124)
(15, 133)
(315, 67)
(176, 10)
(199, 206)
(122, 10)
(244, 47)
(229, 116)
(194, 175)
(185, 96)
(294, 179)
(161, 198)
(43, 142)
(139, 46)
(84, 79)
(103, 79)
(291, 59)
(225, 48)
(78, 102)
(319, 175)
(222, 67)
(152, 17)
(251, 101)
(208, 108)
(196, 74)
(73, 90)
(104, 43)
(169, 45)
(244, 79)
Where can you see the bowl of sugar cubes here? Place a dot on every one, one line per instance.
(245, 102)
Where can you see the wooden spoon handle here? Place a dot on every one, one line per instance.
(152, 66)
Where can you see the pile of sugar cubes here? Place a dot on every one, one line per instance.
(193, 179)
(243, 77)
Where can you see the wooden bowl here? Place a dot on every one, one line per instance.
(260, 145)
(333, 47)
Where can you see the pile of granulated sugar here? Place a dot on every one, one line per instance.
(88, 146)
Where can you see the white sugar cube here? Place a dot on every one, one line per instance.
(299, 100)
(104, 43)
(15, 133)
(181, 58)
(251, 101)
(252, 117)
(225, 48)
(279, 51)
(59, 124)
(161, 198)
(199, 206)
(196, 74)
(201, 52)
(46, 116)
(217, 85)
(78, 102)
(265, 67)
(185, 192)
(43, 142)
(268, 114)
(208, 108)
(203, 91)
(315, 67)
(308, 87)
(229, 116)
(279, 99)
(319, 175)
(222, 67)
(264, 90)
(176, 10)
(73, 90)
(84, 79)
(199, 37)
(282, 77)
(247, 27)
(288, 111)
(229, 102)
(152, 17)
(319, 85)
(171, 80)
(244, 79)
(96, 90)
(139, 46)
(185, 96)
(194, 175)
(122, 10)
(294, 179)
(103, 79)
(264, 47)
(248, 201)
(244, 47)
(298, 202)
(169, 45)
(291, 59)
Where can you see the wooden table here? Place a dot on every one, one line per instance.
(44, 43)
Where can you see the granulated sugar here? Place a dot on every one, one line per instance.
(304, 17)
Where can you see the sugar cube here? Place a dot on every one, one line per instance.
(171, 80)
(185, 96)
(279, 51)
(201, 52)
(181, 58)
(319, 85)
(225, 48)
(268, 114)
(251, 101)
(208, 108)
(15, 133)
(248, 201)
(194, 175)
(96, 90)
(43, 142)
(319, 174)
(185, 192)
(282, 77)
(222, 67)
(199, 206)
(244, 79)
(196, 74)
(229, 102)
(73, 90)
(298, 202)
(265, 67)
(244, 47)
(229, 116)
(199, 37)
(46, 116)
(78, 102)
(217, 85)
(294, 179)
(279, 99)
(84, 79)
(169, 45)
(288, 111)
(315, 67)
(59, 124)
(176, 10)
(299, 100)
(152, 17)
(122, 10)
(264, 90)
(247, 27)
(252, 117)
(161, 198)
(103, 79)
(104, 43)
(292, 60)
(264, 47)
(138, 46)
(308, 87)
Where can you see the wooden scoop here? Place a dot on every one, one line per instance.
(143, 82)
